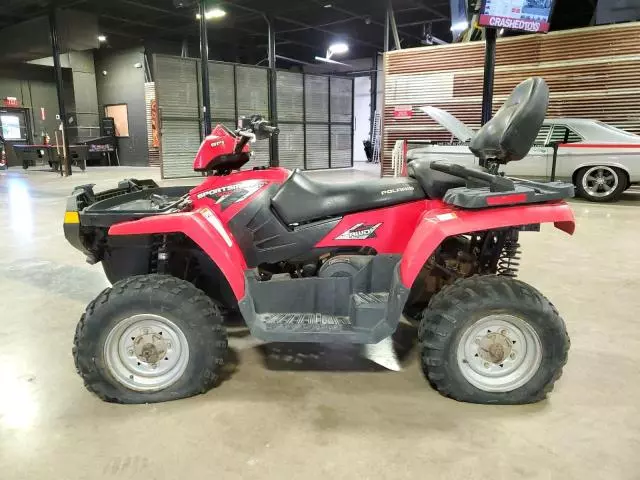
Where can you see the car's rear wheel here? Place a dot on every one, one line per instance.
(150, 338)
(601, 183)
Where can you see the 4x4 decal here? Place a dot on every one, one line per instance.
(359, 231)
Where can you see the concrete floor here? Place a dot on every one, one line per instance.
(314, 412)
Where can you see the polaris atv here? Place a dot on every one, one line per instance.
(306, 261)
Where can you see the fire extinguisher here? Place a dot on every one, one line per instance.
(3, 155)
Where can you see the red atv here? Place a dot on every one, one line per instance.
(305, 261)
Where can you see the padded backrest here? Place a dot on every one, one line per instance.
(510, 134)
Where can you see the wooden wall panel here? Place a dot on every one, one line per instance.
(592, 72)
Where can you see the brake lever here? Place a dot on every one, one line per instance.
(250, 135)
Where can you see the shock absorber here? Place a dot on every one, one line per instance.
(510, 255)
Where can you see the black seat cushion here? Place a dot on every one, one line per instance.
(433, 182)
(510, 134)
(302, 199)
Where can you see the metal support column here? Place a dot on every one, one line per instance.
(394, 27)
(353, 108)
(329, 119)
(386, 31)
(55, 45)
(374, 94)
(204, 71)
(304, 118)
(489, 72)
(273, 99)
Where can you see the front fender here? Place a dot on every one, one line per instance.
(206, 230)
(436, 225)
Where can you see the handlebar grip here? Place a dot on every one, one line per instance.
(270, 130)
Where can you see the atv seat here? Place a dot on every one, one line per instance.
(301, 198)
(434, 183)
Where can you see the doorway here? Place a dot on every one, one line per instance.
(361, 116)
(15, 129)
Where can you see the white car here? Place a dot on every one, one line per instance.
(600, 160)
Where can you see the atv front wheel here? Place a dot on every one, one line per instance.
(493, 340)
(150, 338)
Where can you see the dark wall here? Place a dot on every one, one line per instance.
(34, 86)
(124, 83)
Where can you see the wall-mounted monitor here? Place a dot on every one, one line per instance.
(524, 15)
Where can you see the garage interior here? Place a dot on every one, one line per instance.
(303, 410)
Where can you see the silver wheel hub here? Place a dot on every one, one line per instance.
(600, 181)
(146, 352)
(499, 353)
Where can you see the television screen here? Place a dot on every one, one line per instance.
(526, 15)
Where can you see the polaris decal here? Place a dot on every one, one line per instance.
(359, 231)
(230, 194)
(403, 188)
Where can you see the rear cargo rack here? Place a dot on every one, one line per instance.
(524, 191)
(485, 190)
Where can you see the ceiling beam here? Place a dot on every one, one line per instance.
(151, 8)
(328, 24)
(174, 31)
(421, 4)
(300, 24)
(421, 22)
(356, 16)
(324, 30)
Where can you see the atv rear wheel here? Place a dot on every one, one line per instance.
(493, 340)
(150, 338)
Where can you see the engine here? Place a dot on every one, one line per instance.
(343, 266)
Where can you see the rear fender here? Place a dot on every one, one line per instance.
(436, 225)
(206, 230)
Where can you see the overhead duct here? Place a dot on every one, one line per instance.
(30, 40)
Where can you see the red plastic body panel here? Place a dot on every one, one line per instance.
(220, 142)
(209, 234)
(396, 226)
(439, 223)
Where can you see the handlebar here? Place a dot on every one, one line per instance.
(269, 129)
(257, 125)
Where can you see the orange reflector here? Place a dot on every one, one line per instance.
(71, 217)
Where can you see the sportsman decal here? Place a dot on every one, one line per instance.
(230, 194)
(359, 231)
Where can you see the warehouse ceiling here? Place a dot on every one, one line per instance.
(304, 28)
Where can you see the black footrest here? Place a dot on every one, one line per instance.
(367, 313)
(305, 322)
(368, 309)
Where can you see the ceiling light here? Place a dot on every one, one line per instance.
(459, 27)
(102, 38)
(328, 60)
(337, 48)
(213, 13)
(327, 5)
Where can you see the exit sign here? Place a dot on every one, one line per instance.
(10, 102)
